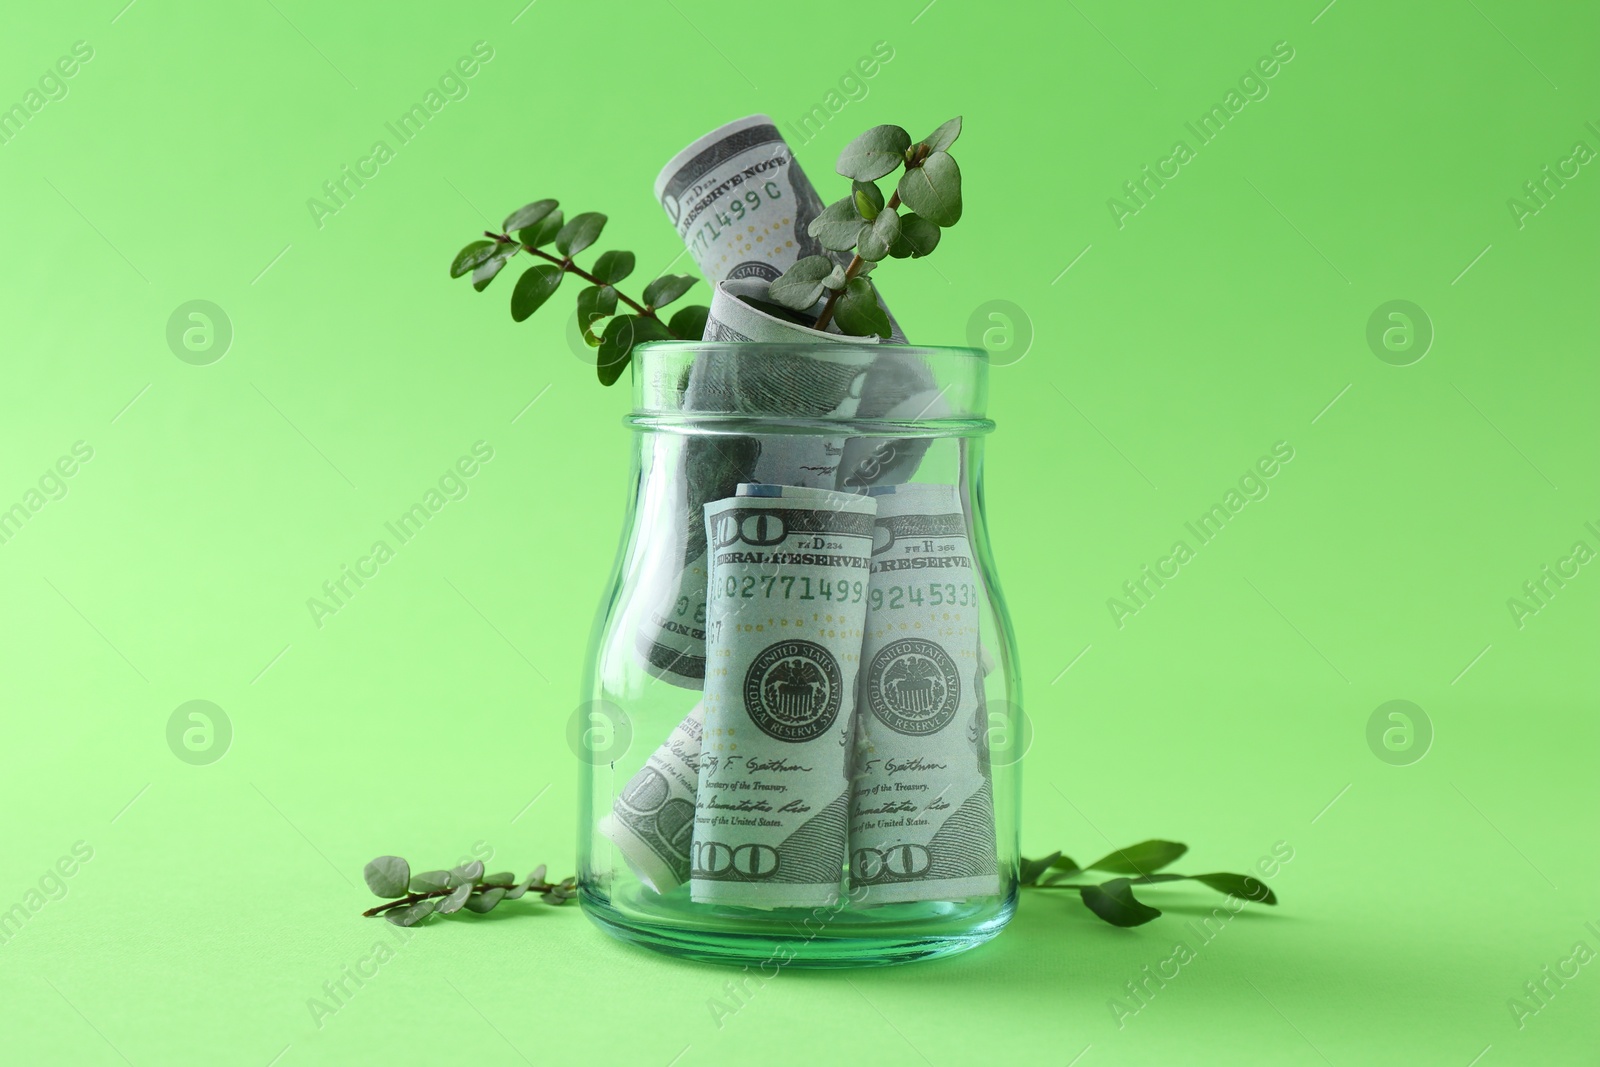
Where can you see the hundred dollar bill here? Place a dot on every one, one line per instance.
(652, 820)
(921, 797)
(788, 593)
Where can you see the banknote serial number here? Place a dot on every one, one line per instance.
(736, 210)
(933, 594)
(794, 587)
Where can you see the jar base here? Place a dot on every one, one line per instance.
(783, 939)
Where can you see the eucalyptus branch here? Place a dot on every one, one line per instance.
(1113, 899)
(570, 267)
(856, 263)
(418, 896)
(873, 229)
(541, 223)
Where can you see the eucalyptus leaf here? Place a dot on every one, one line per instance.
(387, 876)
(471, 257)
(874, 153)
(689, 323)
(411, 914)
(917, 237)
(428, 881)
(933, 190)
(801, 285)
(537, 284)
(580, 233)
(1114, 902)
(858, 312)
(527, 215)
(1146, 857)
(941, 139)
(500, 878)
(872, 194)
(612, 267)
(836, 278)
(878, 238)
(667, 288)
(471, 871)
(452, 903)
(839, 225)
(542, 232)
(486, 900)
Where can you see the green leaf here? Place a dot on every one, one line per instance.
(542, 232)
(428, 881)
(580, 233)
(858, 312)
(1063, 868)
(452, 903)
(468, 873)
(689, 324)
(933, 190)
(595, 302)
(801, 285)
(878, 238)
(836, 277)
(486, 271)
(667, 288)
(387, 876)
(537, 284)
(471, 257)
(527, 215)
(1032, 869)
(839, 225)
(1240, 885)
(536, 875)
(411, 914)
(612, 267)
(486, 900)
(874, 153)
(917, 237)
(1114, 902)
(501, 878)
(1146, 857)
(616, 345)
(941, 139)
(873, 196)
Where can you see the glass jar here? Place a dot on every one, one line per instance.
(801, 723)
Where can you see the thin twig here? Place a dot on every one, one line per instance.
(413, 898)
(567, 265)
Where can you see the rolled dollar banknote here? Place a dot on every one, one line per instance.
(741, 202)
(921, 797)
(652, 820)
(788, 593)
(742, 205)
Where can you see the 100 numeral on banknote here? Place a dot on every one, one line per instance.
(787, 599)
(921, 797)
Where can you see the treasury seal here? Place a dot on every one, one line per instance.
(793, 690)
(913, 687)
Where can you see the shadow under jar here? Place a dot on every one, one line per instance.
(801, 727)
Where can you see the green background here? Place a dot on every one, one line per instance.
(1230, 313)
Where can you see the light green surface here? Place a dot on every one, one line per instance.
(428, 714)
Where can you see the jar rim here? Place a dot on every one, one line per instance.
(795, 385)
(648, 348)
